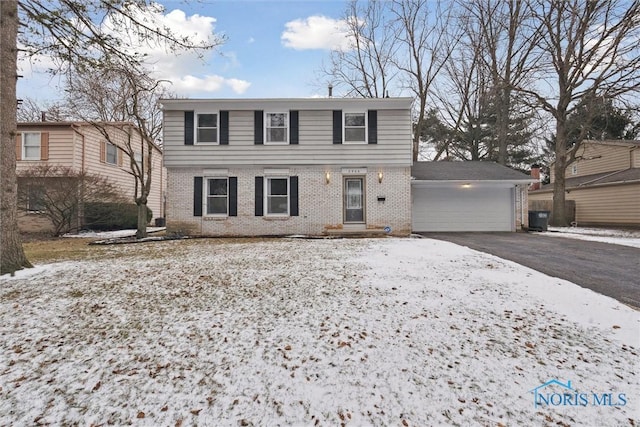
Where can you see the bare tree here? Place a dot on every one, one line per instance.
(73, 32)
(115, 98)
(30, 110)
(589, 50)
(366, 68)
(59, 193)
(425, 47)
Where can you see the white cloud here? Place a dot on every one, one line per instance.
(316, 32)
(188, 84)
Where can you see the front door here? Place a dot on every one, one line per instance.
(354, 200)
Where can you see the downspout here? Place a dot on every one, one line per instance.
(80, 213)
(522, 194)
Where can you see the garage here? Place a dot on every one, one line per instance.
(467, 196)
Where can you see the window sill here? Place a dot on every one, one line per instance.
(276, 143)
(215, 218)
(206, 143)
(276, 217)
(354, 142)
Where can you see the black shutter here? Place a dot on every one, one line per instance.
(233, 196)
(258, 127)
(197, 196)
(293, 197)
(373, 127)
(337, 126)
(224, 128)
(259, 195)
(293, 127)
(188, 128)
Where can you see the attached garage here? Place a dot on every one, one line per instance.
(467, 196)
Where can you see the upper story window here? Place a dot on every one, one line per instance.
(31, 145)
(276, 128)
(207, 128)
(111, 154)
(355, 128)
(217, 198)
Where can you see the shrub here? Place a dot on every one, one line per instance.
(112, 216)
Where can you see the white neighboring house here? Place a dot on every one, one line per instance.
(288, 166)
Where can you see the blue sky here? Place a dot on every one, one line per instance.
(273, 49)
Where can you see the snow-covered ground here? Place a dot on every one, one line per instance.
(86, 234)
(308, 332)
(616, 237)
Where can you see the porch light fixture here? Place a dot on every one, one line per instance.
(466, 185)
(380, 177)
(327, 178)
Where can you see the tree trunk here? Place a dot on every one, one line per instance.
(559, 168)
(12, 256)
(141, 233)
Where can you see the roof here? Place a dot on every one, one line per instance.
(622, 142)
(287, 103)
(617, 177)
(465, 171)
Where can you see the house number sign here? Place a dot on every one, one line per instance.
(354, 171)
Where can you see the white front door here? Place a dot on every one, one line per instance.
(354, 200)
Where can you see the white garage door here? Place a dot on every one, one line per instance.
(462, 209)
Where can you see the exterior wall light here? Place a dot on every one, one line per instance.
(380, 176)
(327, 178)
(466, 185)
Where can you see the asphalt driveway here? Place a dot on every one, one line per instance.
(611, 270)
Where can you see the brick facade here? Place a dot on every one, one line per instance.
(320, 203)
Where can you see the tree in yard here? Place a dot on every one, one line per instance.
(76, 33)
(29, 110)
(366, 68)
(12, 256)
(59, 193)
(112, 98)
(589, 51)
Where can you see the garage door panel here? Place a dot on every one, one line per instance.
(462, 209)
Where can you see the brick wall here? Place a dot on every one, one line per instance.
(320, 204)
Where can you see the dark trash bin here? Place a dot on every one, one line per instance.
(160, 222)
(538, 220)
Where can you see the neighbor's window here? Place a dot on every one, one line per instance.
(355, 127)
(35, 199)
(574, 169)
(217, 196)
(277, 195)
(207, 128)
(276, 127)
(31, 146)
(112, 154)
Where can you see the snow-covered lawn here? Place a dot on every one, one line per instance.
(308, 332)
(616, 237)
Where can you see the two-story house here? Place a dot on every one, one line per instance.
(288, 166)
(81, 147)
(604, 183)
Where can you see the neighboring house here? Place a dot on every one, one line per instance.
(288, 166)
(81, 147)
(604, 183)
(468, 196)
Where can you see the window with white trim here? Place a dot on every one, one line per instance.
(277, 196)
(111, 153)
(217, 196)
(207, 128)
(276, 128)
(355, 128)
(31, 146)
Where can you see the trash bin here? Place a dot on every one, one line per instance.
(538, 220)
(160, 222)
